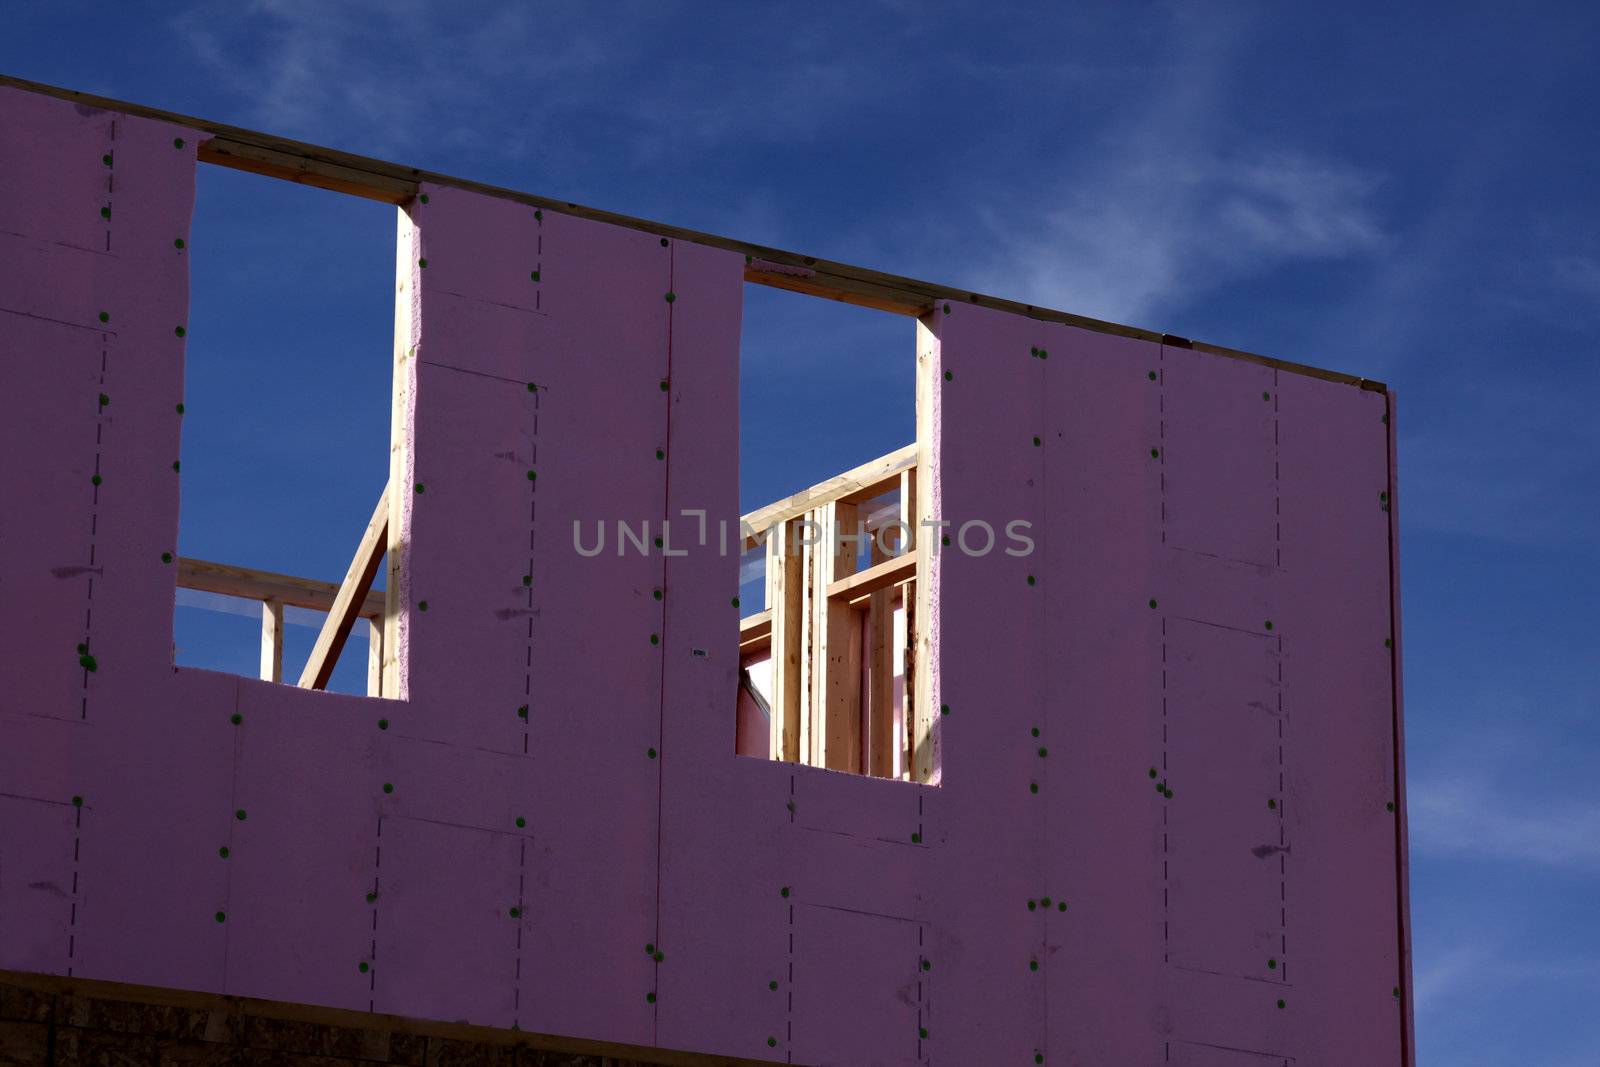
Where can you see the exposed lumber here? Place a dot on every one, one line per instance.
(401, 465)
(920, 719)
(880, 683)
(755, 632)
(352, 591)
(246, 583)
(785, 610)
(854, 589)
(908, 603)
(836, 648)
(375, 657)
(851, 487)
(305, 169)
(272, 640)
(379, 180)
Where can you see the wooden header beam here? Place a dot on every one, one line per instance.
(391, 183)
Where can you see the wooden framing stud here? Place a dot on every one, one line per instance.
(352, 593)
(785, 605)
(272, 640)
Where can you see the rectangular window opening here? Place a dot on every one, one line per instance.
(827, 580)
(285, 433)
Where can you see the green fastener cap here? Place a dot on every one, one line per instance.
(1061, 905)
(105, 213)
(175, 465)
(521, 822)
(532, 388)
(177, 142)
(1152, 376)
(927, 965)
(1281, 1004)
(949, 376)
(106, 159)
(671, 297)
(649, 998)
(166, 557)
(236, 718)
(772, 1042)
(655, 639)
(534, 275)
(1272, 965)
(650, 752)
(177, 242)
(423, 262)
(516, 913)
(527, 579)
(388, 787)
(663, 385)
(916, 838)
(1033, 787)
(422, 605)
(88, 663)
(383, 724)
(240, 815)
(179, 330)
(180, 409)
(922, 1031)
(772, 985)
(221, 916)
(650, 950)
(784, 892)
(1152, 605)
(1033, 965)
(77, 802)
(424, 199)
(105, 316)
(944, 709)
(1033, 905)
(223, 852)
(421, 488)
(362, 966)
(1268, 624)
(522, 712)
(532, 475)
(1152, 772)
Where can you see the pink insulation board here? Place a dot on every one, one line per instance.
(1160, 829)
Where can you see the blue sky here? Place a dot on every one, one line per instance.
(1402, 192)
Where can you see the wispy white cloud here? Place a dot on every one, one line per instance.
(1475, 817)
(1155, 214)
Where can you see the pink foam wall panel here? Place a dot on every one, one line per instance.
(303, 856)
(154, 922)
(469, 553)
(37, 880)
(1218, 455)
(49, 555)
(986, 916)
(857, 988)
(56, 180)
(1225, 857)
(595, 736)
(449, 924)
(1341, 721)
(1102, 955)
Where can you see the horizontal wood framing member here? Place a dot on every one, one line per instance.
(392, 183)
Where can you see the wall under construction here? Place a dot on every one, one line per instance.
(1167, 820)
